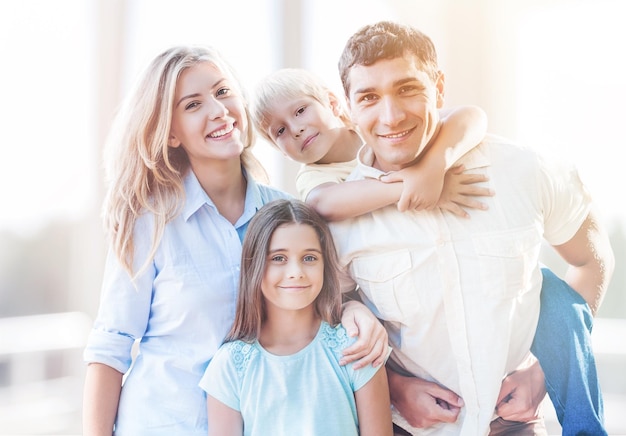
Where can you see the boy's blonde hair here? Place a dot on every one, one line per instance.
(143, 173)
(290, 84)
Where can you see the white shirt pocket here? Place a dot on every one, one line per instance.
(386, 282)
(507, 260)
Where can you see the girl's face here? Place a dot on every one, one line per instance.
(294, 268)
(303, 128)
(208, 119)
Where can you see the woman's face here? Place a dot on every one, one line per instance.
(208, 118)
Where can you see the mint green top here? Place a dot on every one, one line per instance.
(306, 393)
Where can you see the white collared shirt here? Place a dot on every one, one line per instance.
(460, 296)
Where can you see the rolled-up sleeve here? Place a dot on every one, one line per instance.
(124, 311)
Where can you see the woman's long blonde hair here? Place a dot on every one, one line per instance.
(142, 173)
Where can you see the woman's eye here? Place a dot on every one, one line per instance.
(223, 92)
(310, 258)
(192, 105)
(278, 258)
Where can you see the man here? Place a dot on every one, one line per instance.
(460, 298)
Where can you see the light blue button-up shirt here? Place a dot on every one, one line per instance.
(180, 308)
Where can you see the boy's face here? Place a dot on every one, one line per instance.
(303, 128)
(395, 105)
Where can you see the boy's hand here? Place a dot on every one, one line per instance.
(421, 187)
(460, 190)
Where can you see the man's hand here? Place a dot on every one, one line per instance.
(423, 403)
(372, 346)
(521, 394)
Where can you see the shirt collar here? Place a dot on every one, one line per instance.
(253, 202)
(196, 197)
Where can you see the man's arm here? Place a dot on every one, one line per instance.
(591, 264)
(522, 392)
(422, 403)
(591, 261)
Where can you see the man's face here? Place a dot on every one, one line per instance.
(394, 104)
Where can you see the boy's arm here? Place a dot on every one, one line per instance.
(339, 201)
(462, 129)
(373, 407)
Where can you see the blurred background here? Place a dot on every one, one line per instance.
(547, 72)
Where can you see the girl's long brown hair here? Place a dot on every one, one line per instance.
(250, 303)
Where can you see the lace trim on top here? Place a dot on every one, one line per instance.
(335, 338)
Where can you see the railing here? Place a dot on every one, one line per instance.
(41, 373)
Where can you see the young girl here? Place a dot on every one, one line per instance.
(279, 373)
(182, 192)
(298, 114)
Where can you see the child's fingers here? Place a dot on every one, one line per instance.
(455, 209)
(471, 178)
(476, 191)
(391, 178)
(470, 203)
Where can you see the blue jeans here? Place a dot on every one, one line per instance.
(562, 345)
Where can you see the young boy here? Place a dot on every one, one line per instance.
(302, 117)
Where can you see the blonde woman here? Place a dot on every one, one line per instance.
(181, 193)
